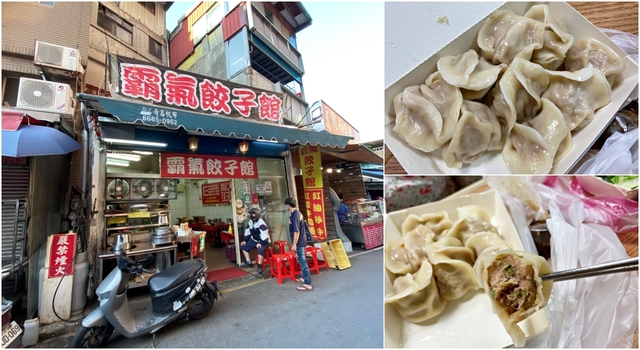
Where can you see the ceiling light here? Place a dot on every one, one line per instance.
(116, 162)
(146, 153)
(134, 142)
(193, 143)
(243, 147)
(130, 157)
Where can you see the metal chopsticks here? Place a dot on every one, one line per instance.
(595, 270)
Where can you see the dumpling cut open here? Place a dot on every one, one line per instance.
(512, 280)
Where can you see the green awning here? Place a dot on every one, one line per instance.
(141, 113)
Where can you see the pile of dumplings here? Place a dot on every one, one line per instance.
(529, 86)
(438, 260)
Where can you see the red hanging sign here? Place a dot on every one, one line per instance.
(61, 255)
(216, 193)
(315, 213)
(195, 166)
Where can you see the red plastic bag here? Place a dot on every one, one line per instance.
(620, 214)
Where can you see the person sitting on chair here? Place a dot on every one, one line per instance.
(256, 236)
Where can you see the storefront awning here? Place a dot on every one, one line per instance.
(131, 112)
(353, 153)
(376, 174)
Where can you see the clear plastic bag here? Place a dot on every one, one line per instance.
(620, 214)
(594, 312)
(619, 155)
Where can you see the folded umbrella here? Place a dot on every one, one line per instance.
(33, 140)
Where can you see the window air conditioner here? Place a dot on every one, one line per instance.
(48, 96)
(58, 57)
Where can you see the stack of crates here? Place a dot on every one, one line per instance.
(336, 254)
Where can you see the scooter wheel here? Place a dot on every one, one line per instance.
(201, 305)
(93, 337)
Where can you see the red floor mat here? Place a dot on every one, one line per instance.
(226, 274)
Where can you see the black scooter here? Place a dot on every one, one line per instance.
(181, 292)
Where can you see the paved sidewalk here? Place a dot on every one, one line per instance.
(345, 310)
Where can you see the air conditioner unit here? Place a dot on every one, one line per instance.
(58, 57)
(45, 96)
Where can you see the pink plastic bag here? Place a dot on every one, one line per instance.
(620, 214)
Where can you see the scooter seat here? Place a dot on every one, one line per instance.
(174, 275)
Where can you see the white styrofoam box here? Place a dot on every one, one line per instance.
(407, 41)
(468, 322)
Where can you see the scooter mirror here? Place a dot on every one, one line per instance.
(151, 259)
(122, 262)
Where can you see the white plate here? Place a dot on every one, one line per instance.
(409, 25)
(468, 322)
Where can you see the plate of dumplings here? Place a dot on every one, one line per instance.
(527, 90)
(441, 289)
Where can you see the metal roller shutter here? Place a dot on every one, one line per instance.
(15, 187)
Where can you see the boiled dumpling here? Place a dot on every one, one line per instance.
(512, 281)
(471, 220)
(470, 72)
(417, 119)
(517, 94)
(601, 56)
(505, 36)
(527, 152)
(435, 222)
(397, 259)
(481, 241)
(478, 131)
(426, 115)
(551, 125)
(557, 39)
(577, 98)
(452, 266)
(416, 296)
(415, 243)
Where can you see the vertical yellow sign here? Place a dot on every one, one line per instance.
(311, 163)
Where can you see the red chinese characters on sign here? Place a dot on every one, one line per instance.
(245, 101)
(141, 81)
(180, 90)
(214, 97)
(269, 107)
(184, 89)
(315, 213)
(61, 255)
(189, 166)
(216, 193)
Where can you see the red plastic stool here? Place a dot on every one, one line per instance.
(316, 264)
(268, 256)
(280, 269)
(280, 245)
(293, 262)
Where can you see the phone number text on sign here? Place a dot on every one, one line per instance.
(159, 116)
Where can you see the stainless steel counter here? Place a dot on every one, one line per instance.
(139, 249)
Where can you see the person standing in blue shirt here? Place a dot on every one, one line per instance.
(299, 242)
(342, 212)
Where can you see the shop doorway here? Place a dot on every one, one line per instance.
(205, 204)
(218, 205)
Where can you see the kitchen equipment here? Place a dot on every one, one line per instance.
(122, 242)
(139, 207)
(162, 260)
(162, 235)
(163, 219)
